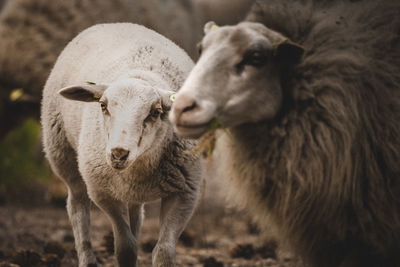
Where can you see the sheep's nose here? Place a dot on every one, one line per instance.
(119, 154)
(184, 104)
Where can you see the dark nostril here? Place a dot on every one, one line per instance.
(124, 157)
(119, 154)
(184, 104)
(189, 108)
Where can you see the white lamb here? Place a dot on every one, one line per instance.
(119, 149)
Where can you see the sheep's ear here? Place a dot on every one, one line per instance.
(167, 98)
(209, 26)
(289, 52)
(84, 92)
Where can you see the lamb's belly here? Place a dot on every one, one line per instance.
(134, 191)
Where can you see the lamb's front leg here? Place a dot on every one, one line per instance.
(176, 211)
(136, 214)
(125, 243)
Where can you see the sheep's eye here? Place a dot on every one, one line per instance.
(256, 58)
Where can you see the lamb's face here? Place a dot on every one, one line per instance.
(135, 119)
(236, 80)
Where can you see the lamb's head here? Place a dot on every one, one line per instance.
(135, 117)
(236, 80)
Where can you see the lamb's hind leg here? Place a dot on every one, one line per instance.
(176, 211)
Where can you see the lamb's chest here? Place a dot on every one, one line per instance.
(136, 188)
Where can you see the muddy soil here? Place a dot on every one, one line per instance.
(42, 236)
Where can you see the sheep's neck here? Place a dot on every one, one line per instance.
(252, 135)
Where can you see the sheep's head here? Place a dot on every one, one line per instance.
(236, 80)
(134, 115)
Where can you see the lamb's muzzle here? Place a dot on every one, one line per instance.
(119, 158)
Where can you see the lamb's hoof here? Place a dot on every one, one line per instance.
(89, 263)
(163, 256)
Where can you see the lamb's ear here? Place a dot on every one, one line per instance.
(209, 26)
(167, 98)
(84, 92)
(289, 52)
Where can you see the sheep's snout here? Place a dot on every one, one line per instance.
(119, 158)
(184, 105)
(190, 117)
(119, 154)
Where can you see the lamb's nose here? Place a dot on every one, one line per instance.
(184, 104)
(119, 154)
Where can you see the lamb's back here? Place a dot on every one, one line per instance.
(102, 54)
(105, 52)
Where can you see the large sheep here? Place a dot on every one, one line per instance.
(33, 33)
(120, 149)
(309, 95)
(222, 11)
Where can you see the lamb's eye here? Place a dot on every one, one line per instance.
(103, 106)
(153, 115)
(155, 112)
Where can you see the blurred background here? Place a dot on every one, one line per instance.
(34, 228)
(33, 33)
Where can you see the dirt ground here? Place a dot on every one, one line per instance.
(42, 236)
